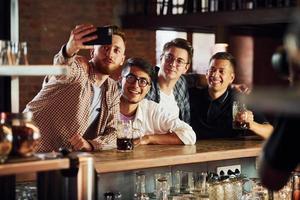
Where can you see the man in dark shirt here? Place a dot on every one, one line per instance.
(211, 108)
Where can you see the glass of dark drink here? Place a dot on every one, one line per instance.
(239, 115)
(124, 136)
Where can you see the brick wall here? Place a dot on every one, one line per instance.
(46, 26)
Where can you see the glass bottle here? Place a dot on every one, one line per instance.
(109, 196)
(5, 137)
(163, 188)
(140, 187)
(25, 134)
(3, 52)
(22, 54)
(112, 196)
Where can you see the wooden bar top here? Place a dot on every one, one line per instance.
(147, 156)
(33, 166)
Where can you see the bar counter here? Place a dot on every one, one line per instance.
(148, 156)
(26, 166)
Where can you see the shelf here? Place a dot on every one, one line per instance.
(33, 166)
(198, 21)
(27, 70)
(32, 70)
(148, 156)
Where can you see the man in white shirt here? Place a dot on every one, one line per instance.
(154, 124)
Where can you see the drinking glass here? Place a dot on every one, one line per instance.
(239, 115)
(156, 184)
(257, 191)
(162, 188)
(4, 52)
(13, 53)
(175, 189)
(26, 191)
(201, 186)
(21, 57)
(124, 136)
(140, 187)
(187, 182)
(216, 191)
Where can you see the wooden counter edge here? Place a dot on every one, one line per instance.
(132, 164)
(33, 166)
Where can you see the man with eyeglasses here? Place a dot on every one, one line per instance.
(77, 111)
(170, 89)
(211, 107)
(153, 123)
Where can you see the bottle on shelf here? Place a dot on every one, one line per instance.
(13, 53)
(140, 187)
(163, 188)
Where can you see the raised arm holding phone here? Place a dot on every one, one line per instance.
(77, 110)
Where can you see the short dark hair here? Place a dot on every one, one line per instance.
(180, 43)
(139, 63)
(224, 56)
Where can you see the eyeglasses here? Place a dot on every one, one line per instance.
(179, 62)
(131, 78)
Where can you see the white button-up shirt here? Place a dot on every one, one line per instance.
(151, 118)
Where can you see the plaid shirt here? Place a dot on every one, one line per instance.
(180, 92)
(62, 107)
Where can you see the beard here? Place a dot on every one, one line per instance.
(104, 69)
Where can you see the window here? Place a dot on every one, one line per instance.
(203, 44)
(163, 37)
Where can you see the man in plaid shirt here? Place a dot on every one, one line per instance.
(170, 88)
(78, 110)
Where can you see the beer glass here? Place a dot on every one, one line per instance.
(124, 136)
(239, 115)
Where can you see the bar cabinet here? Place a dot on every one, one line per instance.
(116, 170)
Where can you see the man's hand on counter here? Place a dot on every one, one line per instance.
(80, 144)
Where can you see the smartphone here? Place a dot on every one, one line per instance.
(104, 36)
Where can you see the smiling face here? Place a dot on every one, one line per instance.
(174, 63)
(108, 58)
(220, 75)
(132, 91)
